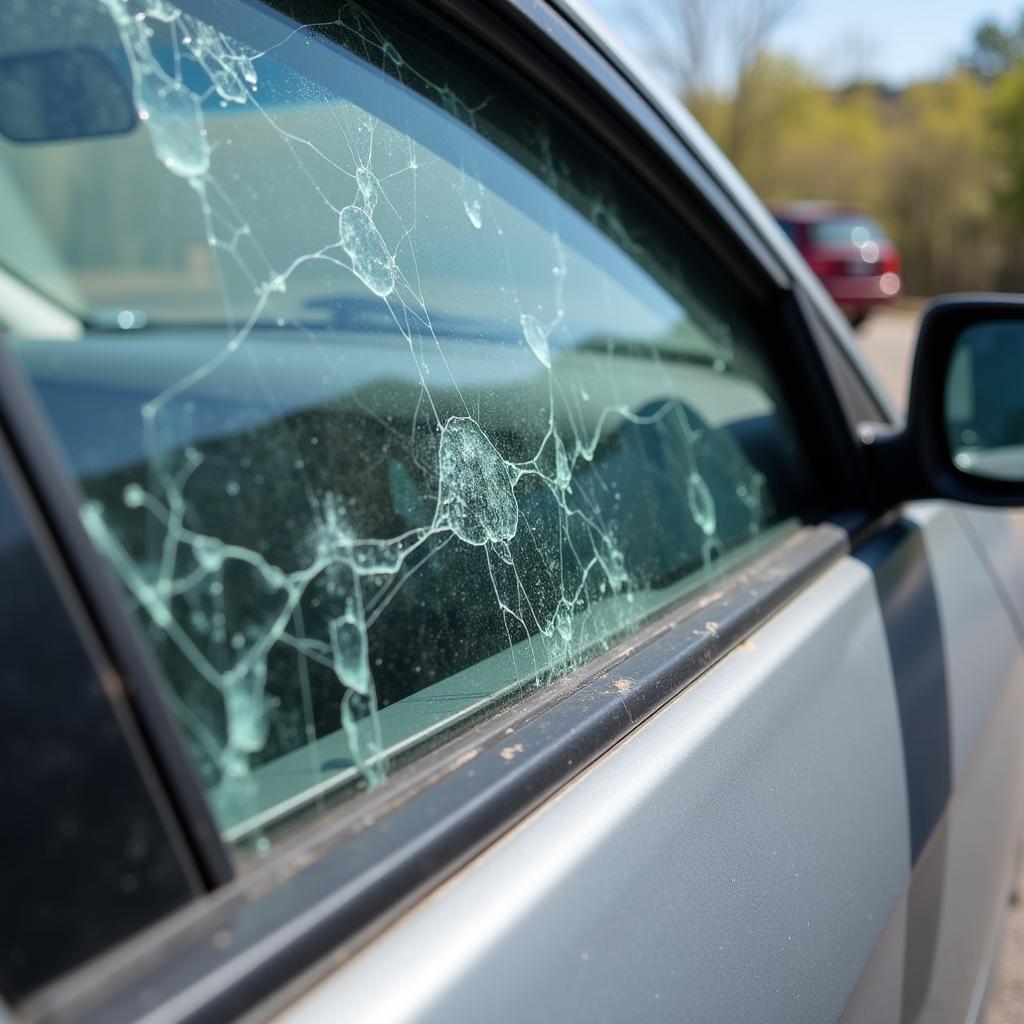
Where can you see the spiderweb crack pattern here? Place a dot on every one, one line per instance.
(479, 486)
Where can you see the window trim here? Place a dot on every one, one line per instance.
(254, 935)
(29, 434)
(99, 730)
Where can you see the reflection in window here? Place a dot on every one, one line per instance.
(386, 403)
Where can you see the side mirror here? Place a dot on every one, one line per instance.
(964, 437)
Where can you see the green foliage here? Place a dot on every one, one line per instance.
(942, 180)
(995, 50)
(1008, 124)
(940, 163)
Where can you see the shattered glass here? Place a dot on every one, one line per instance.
(388, 399)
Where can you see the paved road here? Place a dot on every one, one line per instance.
(887, 341)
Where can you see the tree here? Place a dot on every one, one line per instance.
(995, 50)
(940, 163)
(680, 39)
(694, 42)
(942, 178)
(753, 24)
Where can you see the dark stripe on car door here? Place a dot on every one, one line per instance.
(910, 610)
(899, 562)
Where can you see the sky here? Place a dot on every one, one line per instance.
(896, 41)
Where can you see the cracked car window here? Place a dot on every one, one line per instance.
(387, 397)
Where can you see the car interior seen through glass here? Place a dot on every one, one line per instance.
(388, 400)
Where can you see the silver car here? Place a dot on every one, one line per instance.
(454, 564)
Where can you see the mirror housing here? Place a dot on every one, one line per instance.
(916, 461)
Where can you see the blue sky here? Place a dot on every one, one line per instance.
(895, 40)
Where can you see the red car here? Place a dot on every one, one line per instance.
(855, 259)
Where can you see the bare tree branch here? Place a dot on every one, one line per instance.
(752, 24)
(688, 39)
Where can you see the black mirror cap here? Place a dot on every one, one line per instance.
(915, 462)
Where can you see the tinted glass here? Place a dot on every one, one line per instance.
(854, 230)
(984, 408)
(790, 228)
(387, 399)
(88, 858)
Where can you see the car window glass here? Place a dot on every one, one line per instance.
(388, 399)
(790, 228)
(856, 230)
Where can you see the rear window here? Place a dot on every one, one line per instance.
(846, 231)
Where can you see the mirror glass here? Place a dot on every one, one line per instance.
(73, 93)
(984, 402)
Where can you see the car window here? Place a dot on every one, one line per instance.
(853, 230)
(790, 228)
(389, 400)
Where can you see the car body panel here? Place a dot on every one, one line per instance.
(977, 842)
(981, 647)
(940, 943)
(735, 858)
(999, 538)
(935, 959)
(857, 293)
(672, 880)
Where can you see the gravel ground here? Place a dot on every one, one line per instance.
(887, 342)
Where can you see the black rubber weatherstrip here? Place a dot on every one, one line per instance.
(316, 902)
(24, 427)
(91, 855)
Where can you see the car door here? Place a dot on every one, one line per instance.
(472, 533)
(683, 875)
(950, 916)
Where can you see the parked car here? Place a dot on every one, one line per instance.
(455, 564)
(856, 260)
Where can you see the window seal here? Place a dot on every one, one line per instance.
(62, 741)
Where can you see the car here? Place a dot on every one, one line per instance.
(455, 563)
(856, 260)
